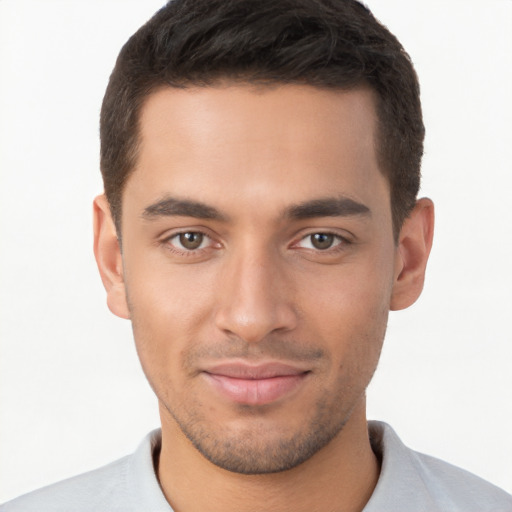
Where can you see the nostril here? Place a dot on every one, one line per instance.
(254, 325)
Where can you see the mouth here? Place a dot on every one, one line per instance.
(259, 384)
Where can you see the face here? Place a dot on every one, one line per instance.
(259, 264)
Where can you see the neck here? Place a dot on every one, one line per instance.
(338, 478)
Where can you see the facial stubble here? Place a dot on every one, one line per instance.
(258, 447)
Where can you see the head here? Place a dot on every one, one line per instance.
(328, 44)
(261, 164)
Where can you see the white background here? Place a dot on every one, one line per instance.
(72, 394)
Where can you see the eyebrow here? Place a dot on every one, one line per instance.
(327, 207)
(171, 206)
(324, 207)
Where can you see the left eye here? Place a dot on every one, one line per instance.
(320, 241)
(190, 240)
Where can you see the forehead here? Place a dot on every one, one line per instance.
(272, 144)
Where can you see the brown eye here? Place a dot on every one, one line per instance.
(191, 240)
(322, 240)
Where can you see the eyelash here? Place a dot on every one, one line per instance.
(340, 239)
(342, 244)
(166, 242)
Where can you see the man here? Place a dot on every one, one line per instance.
(261, 165)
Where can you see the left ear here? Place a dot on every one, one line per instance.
(415, 242)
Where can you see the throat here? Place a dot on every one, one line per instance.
(340, 477)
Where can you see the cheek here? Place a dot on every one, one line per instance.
(167, 293)
(168, 306)
(348, 310)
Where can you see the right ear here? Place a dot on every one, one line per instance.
(108, 257)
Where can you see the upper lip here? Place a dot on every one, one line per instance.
(244, 370)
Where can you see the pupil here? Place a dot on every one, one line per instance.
(191, 240)
(322, 240)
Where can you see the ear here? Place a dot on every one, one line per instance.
(415, 242)
(108, 257)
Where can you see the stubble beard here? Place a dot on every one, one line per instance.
(258, 449)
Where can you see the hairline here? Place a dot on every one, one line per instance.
(225, 80)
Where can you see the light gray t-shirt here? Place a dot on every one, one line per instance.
(408, 482)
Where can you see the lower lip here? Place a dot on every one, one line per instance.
(256, 391)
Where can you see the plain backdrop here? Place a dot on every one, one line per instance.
(72, 394)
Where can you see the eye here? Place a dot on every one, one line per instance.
(320, 241)
(190, 240)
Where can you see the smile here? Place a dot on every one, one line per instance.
(255, 385)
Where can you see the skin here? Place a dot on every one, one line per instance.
(261, 289)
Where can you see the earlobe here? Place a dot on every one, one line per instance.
(108, 257)
(414, 246)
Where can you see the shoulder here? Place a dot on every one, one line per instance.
(458, 489)
(411, 481)
(88, 491)
(128, 484)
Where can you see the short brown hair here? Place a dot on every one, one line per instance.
(323, 43)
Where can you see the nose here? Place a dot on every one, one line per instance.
(255, 298)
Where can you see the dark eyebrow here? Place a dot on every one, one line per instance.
(328, 207)
(171, 206)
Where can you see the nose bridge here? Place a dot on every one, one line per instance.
(256, 299)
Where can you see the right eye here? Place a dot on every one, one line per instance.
(189, 241)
